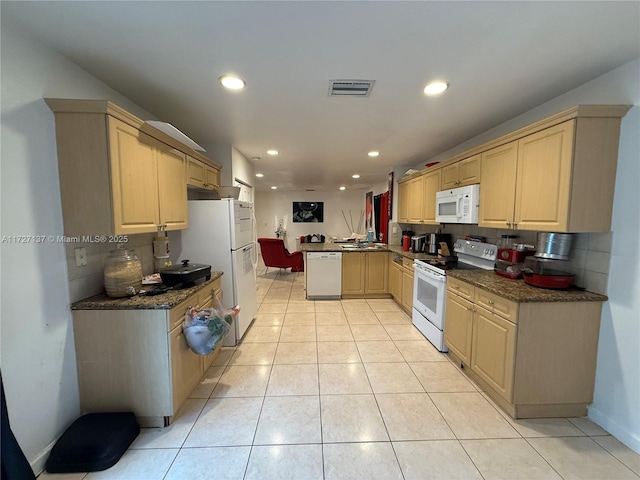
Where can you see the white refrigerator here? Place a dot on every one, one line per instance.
(221, 234)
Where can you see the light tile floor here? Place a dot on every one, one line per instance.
(351, 390)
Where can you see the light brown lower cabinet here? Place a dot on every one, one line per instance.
(395, 280)
(534, 359)
(407, 284)
(401, 282)
(138, 360)
(365, 274)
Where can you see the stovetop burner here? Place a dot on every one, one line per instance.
(445, 263)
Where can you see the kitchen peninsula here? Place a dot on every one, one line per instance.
(367, 269)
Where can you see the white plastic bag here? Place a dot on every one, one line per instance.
(205, 328)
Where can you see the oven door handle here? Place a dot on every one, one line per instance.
(430, 275)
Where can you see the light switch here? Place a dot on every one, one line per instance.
(394, 229)
(81, 256)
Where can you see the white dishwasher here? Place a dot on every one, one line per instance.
(324, 275)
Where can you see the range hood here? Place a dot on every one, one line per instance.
(220, 192)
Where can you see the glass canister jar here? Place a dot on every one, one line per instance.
(122, 273)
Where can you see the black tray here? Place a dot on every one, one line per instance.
(94, 442)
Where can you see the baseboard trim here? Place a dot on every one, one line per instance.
(38, 463)
(630, 439)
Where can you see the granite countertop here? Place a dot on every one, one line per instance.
(164, 301)
(518, 291)
(335, 247)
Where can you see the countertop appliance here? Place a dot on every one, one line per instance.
(432, 244)
(554, 245)
(510, 261)
(458, 205)
(185, 274)
(221, 234)
(324, 275)
(418, 243)
(548, 273)
(430, 285)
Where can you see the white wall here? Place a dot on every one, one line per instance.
(242, 169)
(616, 405)
(272, 204)
(37, 352)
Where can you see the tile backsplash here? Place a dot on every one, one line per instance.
(590, 252)
(88, 280)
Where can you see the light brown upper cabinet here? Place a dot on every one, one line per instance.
(459, 174)
(147, 182)
(430, 186)
(417, 199)
(559, 179)
(201, 175)
(498, 186)
(525, 184)
(403, 202)
(118, 175)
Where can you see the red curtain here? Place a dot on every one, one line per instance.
(383, 228)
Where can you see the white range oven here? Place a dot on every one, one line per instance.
(430, 285)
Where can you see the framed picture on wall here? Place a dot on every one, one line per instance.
(308, 212)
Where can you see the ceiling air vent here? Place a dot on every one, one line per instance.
(352, 88)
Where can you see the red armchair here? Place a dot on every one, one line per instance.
(274, 254)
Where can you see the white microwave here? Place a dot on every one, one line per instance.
(458, 205)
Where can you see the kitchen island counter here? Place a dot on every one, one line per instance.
(518, 291)
(164, 301)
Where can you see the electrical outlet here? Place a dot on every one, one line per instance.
(81, 256)
(394, 229)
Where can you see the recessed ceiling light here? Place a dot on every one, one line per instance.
(343, 188)
(373, 153)
(355, 176)
(274, 188)
(272, 152)
(259, 175)
(232, 82)
(434, 88)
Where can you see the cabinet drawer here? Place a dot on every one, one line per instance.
(206, 296)
(407, 263)
(498, 305)
(460, 288)
(177, 313)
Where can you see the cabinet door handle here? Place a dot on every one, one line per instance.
(457, 287)
(490, 302)
(508, 224)
(515, 225)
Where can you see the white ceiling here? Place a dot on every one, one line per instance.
(500, 59)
